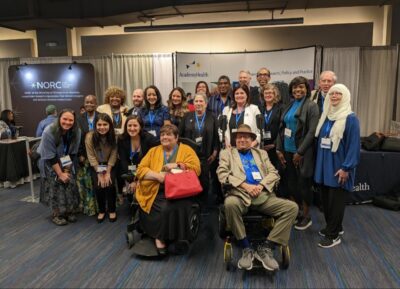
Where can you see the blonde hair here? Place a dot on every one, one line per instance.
(275, 89)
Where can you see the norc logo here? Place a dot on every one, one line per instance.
(51, 84)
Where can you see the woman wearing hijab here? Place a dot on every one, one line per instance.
(338, 154)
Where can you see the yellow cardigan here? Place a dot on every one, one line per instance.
(147, 190)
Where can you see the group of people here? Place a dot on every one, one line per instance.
(311, 141)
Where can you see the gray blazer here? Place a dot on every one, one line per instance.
(231, 169)
(307, 120)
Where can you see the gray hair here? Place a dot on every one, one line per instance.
(328, 72)
(202, 95)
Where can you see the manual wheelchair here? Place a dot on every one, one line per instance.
(257, 227)
(144, 246)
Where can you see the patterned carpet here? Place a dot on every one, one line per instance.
(35, 253)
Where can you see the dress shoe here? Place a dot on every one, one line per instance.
(100, 220)
(112, 220)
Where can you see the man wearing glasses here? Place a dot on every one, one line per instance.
(263, 77)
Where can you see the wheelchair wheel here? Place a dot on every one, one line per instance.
(194, 223)
(285, 253)
(222, 223)
(228, 256)
(129, 239)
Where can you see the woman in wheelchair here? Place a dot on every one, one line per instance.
(253, 179)
(161, 219)
(133, 145)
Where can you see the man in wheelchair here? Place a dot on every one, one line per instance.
(253, 178)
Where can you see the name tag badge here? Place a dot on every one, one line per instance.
(199, 140)
(234, 130)
(326, 143)
(118, 131)
(267, 135)
(132, 168)
(65, 161)
(256, 176)
(101, 168)
(153, 132)
(288, 132)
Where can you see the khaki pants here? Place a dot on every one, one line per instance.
(284, 211)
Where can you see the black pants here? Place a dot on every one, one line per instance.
(215, 184)
(298, 187)
(333, 202)
(106, 197)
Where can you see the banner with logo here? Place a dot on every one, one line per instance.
(35, 86)
(283, 64)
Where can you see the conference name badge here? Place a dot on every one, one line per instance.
(234, 130)
(256, 175)
(288, 132)
(153, 132)
(267, 135)
(199, 140)
(65, 161)
(101, 169)
(326, 143)
(132, 168)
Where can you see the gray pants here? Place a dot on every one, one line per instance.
(284, 211)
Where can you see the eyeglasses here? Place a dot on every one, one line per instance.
(263, 75)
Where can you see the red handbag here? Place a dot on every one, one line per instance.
(182, 185)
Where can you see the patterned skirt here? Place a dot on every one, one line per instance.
(60, 197)
(88, 203)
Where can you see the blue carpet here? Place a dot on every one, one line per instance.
(35, 253)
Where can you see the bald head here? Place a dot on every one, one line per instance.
(90, 103)
(138, 97)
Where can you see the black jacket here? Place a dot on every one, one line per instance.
(188, 129)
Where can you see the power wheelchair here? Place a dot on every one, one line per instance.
(257, 225)
(257, 228)
(139, 242)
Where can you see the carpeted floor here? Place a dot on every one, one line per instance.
(35, 253)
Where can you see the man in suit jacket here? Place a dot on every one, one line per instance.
(327, 79)
(253, 179)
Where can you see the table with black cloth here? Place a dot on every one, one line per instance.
(13, 163)
(377, 173)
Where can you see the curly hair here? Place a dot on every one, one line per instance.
(115, 91)
(178, 111)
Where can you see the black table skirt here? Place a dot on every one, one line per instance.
(13, 162)
(377, 173)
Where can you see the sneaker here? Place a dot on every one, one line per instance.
(71, 218)
(303, 224)
(265, 255)
(246, 262)
(328, 242)
(59, 221)
(322, 233)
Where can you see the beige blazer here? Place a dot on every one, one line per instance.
(106, 108)
(231, 169)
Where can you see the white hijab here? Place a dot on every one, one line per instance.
(338, 114)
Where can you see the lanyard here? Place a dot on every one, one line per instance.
(200, 125)
(90, 123)
(66, 143)
(328, 127)
(133, 153)
(116, 118)
(152, 116)
(166, 161)
(237, 116)
(267, 116)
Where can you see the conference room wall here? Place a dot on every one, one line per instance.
(230, 40)
(16, 48)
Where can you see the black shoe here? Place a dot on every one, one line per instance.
(72, 218)
(112, 220)
(327, 242)
(162, 251)
(322, 233)
(304, 223)
(100, 220)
